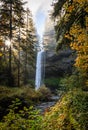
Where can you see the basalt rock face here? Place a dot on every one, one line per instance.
(59, 64)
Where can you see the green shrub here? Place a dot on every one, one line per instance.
(71, 82)
(45, 93)
(76, 80)
(26, 119)
(32, 82)
(27, 95)
(52, 83)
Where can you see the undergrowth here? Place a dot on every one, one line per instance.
(69, 113)
(27, 95)
(26, 119)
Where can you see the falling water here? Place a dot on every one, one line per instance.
(40, 69)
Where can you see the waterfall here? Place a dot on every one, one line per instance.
(40, 69)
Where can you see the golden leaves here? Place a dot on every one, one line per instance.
(70, 8)
(80, 44)
(67, 36)
(75, 29)
(0, 54)
(80, 2)
(81, 38)
(82, 62)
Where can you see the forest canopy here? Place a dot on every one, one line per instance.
(71, 19)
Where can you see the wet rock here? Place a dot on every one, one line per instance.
(45, 106)
(59, 64)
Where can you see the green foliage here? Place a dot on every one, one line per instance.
(15, 91)
(31, 82)
(70, 113)
(43, 90)
(74, 81)
(52, 83)
(27, 95)
(26, 119)
(69, 82)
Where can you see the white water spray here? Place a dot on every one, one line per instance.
(40, 68)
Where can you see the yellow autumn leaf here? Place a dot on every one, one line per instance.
(0, 54)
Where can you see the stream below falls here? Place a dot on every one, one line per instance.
(44, 106)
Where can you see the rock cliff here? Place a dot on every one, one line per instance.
(57, 64)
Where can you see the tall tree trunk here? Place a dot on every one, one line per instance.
(26, 53)
(10, 48)
(19, 60)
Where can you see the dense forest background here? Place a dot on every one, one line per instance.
(18, 38)
(18, 48)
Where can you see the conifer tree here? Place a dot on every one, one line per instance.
(29, 46)
(9, 16)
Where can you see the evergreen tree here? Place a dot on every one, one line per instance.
(9, 15)
(29, 47)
